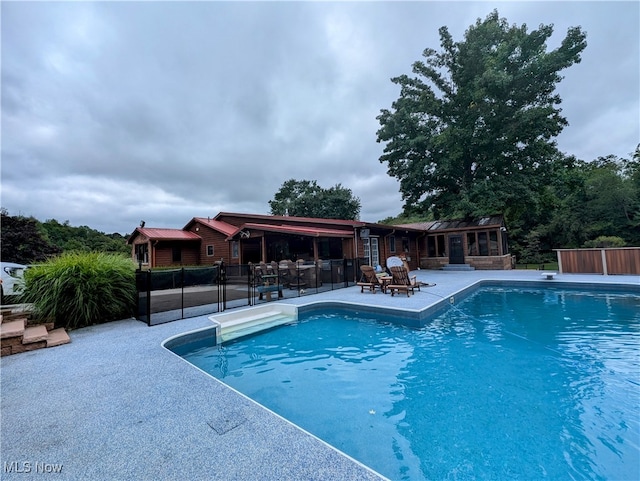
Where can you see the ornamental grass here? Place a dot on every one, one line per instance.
(80, 289)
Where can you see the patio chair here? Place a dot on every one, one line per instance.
(255, 274)
(402, 281)
(294, 276)
(369, 280)
(318, 272)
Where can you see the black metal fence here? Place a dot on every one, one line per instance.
(172, 294)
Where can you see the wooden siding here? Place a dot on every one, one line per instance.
(164, 254)
(624, 260)
(209, 236)
(412, 256)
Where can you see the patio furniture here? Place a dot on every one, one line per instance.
(402, 281)
(294, 276)
(370, 281)
(318, 272)
(385, 280)
(270, 284)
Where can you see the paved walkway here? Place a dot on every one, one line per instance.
(115, 405)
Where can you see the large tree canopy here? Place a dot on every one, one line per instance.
(472, 133)
(304, 198)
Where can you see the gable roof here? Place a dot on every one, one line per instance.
(217, 225)
(153, 233)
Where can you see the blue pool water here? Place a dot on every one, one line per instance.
(508, 384)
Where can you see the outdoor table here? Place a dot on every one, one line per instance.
(385, 280)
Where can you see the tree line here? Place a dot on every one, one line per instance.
(26, 240)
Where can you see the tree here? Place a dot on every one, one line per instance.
(588, 200)
(304, 198)
(26, 240)
(472, 132)
(606, 241)
(22, 240)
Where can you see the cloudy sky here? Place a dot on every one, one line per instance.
(115, 112)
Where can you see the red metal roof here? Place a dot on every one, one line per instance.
(297, 230)
(220, 226)
(152, 233)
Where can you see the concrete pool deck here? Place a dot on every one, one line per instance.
(115, 405)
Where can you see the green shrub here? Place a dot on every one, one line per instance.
(606, 241)
(80, 289)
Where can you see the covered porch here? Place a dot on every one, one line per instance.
(268, 242)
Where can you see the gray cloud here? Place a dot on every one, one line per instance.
(113, 112)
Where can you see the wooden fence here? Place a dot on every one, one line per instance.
(618, 260)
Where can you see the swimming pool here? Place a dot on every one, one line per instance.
(507, 384)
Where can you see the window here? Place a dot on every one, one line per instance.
(209, 250)
(405, 245)
(367, 249)
(483, 248)
(176, 254)
(442, 251)
(142, 253)
(482, 243)
(392, 243)
(472, 249)
(435, 246)
(431, 246)
(493, 243)
(235, 250)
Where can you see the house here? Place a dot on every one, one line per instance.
(480, 243)
(162, 247)
(238, 238)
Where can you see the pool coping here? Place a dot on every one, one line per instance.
(60, 405)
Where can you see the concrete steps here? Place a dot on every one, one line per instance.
(18, 335)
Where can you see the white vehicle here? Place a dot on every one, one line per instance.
(11, 278)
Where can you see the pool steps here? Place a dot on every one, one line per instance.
(248, 321)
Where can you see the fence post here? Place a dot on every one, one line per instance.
(604, 262)
(182, 293)
(251, 275)
(559, 254)
(222, 287)
(148, 297)
(344, 272)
